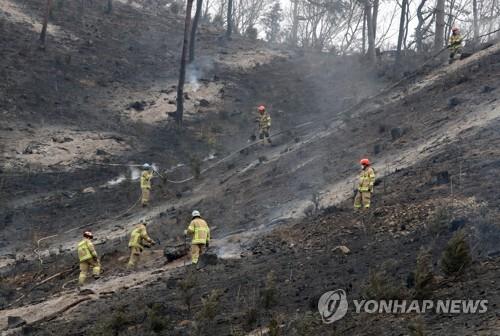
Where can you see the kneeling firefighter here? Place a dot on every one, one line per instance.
(139, 239)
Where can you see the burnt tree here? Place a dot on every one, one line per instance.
(370, 31)
(402, 30)
(192, 40)
(475, 23)
(43, 33)
(229, 30)
(110, 7)
(439, 33)
(182, 73)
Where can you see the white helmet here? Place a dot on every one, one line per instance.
(146, 166)
(196, 213)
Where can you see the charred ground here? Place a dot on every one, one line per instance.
(434, 138)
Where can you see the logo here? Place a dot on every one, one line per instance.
(332, 306)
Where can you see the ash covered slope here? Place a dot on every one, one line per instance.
(106, 102)
(440, 139)
(247, 193)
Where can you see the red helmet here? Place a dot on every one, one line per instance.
(88, 234)
(262, 108)
(365, 162)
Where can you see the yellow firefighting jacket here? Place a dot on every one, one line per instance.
(264, 120)
(366, 179)
(146, 179)
(455, 41)
(138, 235)
(200, 231)
(86, 250)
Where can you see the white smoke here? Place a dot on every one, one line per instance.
(193, 74)
(135, 173)
(117, 180)
(229, 251)
(197, 70)
(210, 156)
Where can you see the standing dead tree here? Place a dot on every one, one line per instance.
(370, 31)
(439, 32)
(295, 23)
(475, 23)
(422, 27)
(230, 19)
(109, 10)
(43, 33)
(246, 13)
(355, 16)
(179, 113)
(374, 18)
(402, 24)
(192, 42)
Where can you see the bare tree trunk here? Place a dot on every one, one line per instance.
(374, 18)
(407, 11)
(371, 37)
(419, 34)
(199, 4)
(475, 23)
(109, 10)
(295, 23)
(439, 33)
(401, 34)
(451, 18)
(364, 32)
(229, 30)
(182, 75)
(206, 10)
(492, 13)
(43, 33)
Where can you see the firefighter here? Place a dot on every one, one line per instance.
(455, 44)
(365, 186)
(146, 176)
(198, 228)
(139, 238)
(88, 258)
(264, 120)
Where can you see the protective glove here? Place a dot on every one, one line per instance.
(153, 242)
(208, 244)
(185, 232)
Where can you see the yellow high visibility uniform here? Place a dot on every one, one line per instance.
(86, 250)
(366, 179)
(264, 121)
(365, 188)
(455, 42)
(138, 235)
(200, 231)
(264, 126)
(146, 179)
(455, 46)
(88, 259)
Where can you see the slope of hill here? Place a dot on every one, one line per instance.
(278, 212)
